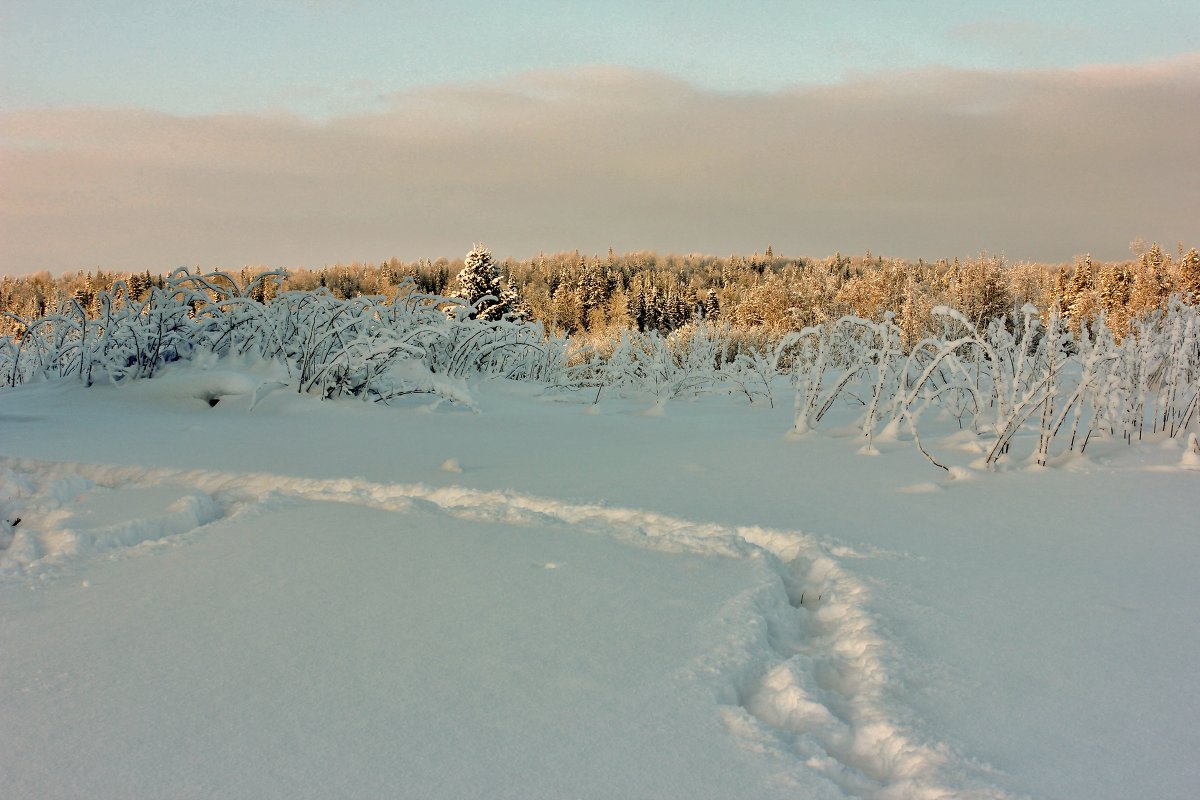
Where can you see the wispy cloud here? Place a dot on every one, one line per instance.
(1040, 164)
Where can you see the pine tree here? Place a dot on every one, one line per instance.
(637, 310)
(478, 280)
(1062, 292)
(913, 319)
(85, 294)
(980, 289)
(138, 285)
(712, 305)
(1189, 276)
(1114, 285)
(1150, 282)
(510, 299)
(593, 291)
(616, 311)
(1080, 304)
(656, 312)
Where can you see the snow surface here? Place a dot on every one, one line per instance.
(558, 599)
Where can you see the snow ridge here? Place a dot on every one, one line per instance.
(805, 675)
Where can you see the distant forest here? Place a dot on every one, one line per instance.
(595, 295)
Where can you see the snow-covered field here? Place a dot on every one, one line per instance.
(551, 598)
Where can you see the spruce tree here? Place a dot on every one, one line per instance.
(1080, 301)
(712, 305)
(480, 279)
(1189, 276)
(1151, 284)
(1115, 285)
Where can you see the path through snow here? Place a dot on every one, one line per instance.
(800, 677)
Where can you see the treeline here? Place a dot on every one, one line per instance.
(590, 295)
(999, 380)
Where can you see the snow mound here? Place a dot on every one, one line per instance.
(925, 487)
(71, 517)
(213, 380)
(1191, 453)
(956, 473)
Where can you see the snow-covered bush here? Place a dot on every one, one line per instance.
(365, 347)
(1004, 379)
(684, 363)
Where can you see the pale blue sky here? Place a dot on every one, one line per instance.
(330, 57)
(150, 135)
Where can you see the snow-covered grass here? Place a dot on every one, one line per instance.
(275, 596)
(1000, 381)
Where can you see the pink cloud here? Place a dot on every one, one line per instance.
(1039, 164)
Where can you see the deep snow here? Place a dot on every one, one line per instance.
(552, 598)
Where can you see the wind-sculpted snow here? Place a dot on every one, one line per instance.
(801, 677)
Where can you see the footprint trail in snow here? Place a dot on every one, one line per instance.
(802, 679)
